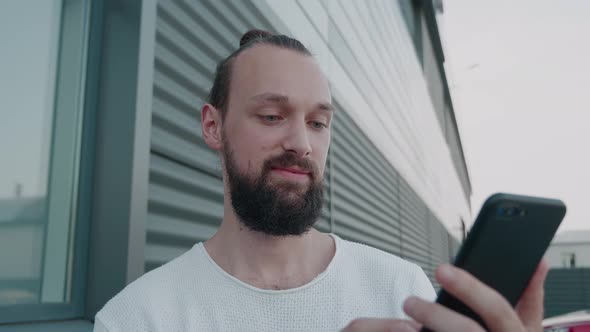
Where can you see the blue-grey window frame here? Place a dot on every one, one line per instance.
(82, 15)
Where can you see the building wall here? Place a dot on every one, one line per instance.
(567, 290)
(558, 254)
(421, 18)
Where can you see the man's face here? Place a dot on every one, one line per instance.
(276, 136)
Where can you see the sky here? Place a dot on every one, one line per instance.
(519, 75)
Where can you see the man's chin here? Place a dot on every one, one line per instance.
(291, 198)
(288, 188)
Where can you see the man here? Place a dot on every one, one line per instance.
(269, 115)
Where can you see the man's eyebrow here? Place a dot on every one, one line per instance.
(327, 107)
(276, 98)
(268, 97)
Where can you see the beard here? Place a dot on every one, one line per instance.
(276, 208)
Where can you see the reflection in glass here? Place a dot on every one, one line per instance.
(29, 31)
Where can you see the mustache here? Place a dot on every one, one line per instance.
(287, 160)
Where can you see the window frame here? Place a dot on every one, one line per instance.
(76, 20)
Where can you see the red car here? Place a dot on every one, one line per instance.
(578, 321)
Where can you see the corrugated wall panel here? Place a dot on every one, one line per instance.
(438, 241)
(375, 206)
(567, 290)
(414, 227)
(323, 224)
(365, 202)
(185, 206)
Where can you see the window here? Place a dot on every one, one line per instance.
(568, 259)
(42, 65)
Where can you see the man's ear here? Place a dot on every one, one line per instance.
(211, 126)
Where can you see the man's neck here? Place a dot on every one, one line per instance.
(269, 262)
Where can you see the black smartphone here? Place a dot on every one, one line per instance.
(505, 245)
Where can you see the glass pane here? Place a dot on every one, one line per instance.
(29, 32)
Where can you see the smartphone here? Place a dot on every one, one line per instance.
(505, 245)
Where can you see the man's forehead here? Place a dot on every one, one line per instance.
(270, 69)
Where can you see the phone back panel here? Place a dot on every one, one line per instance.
(505, 245)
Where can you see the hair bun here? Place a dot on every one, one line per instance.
(253, 34)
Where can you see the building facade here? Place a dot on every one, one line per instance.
(570, 249)
(131, 184)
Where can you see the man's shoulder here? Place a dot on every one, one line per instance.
(141, 300)
(385, 270)
(363, 254)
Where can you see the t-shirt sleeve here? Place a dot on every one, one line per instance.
(422, 287)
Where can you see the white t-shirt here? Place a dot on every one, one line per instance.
(192, 293)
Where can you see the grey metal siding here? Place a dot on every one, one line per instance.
(374, 205)
(414, 227)
(567, 290)
(365, 200)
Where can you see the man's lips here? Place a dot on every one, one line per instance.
(291, 170)
(292, 174)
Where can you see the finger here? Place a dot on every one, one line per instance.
(380, 325)
(417, 326)
(492, 307)
(438, 318)
(530, 305)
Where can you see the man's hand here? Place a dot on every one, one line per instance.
(495, 311)
(381, 325)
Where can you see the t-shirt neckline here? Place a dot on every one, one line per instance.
(201, 247)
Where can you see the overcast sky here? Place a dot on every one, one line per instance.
(520, 79)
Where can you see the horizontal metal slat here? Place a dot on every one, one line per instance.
(347, 218)
(156, 255)
(250, 16)
(353, 234)
(189, 154)
(198, 33)
(225, 16)
(168, 231)
(168, 201)
(175, 68)
(378, 215)
(179, 124)
(188, 49)
(168, 173)
(364, 179)
(349, 136)
(201, 14)
(166, 79)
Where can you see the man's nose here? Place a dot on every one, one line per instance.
(296, 140)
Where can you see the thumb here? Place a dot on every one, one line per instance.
(530, 305)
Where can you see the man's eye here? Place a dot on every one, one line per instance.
(318, 125)
(270, 118)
